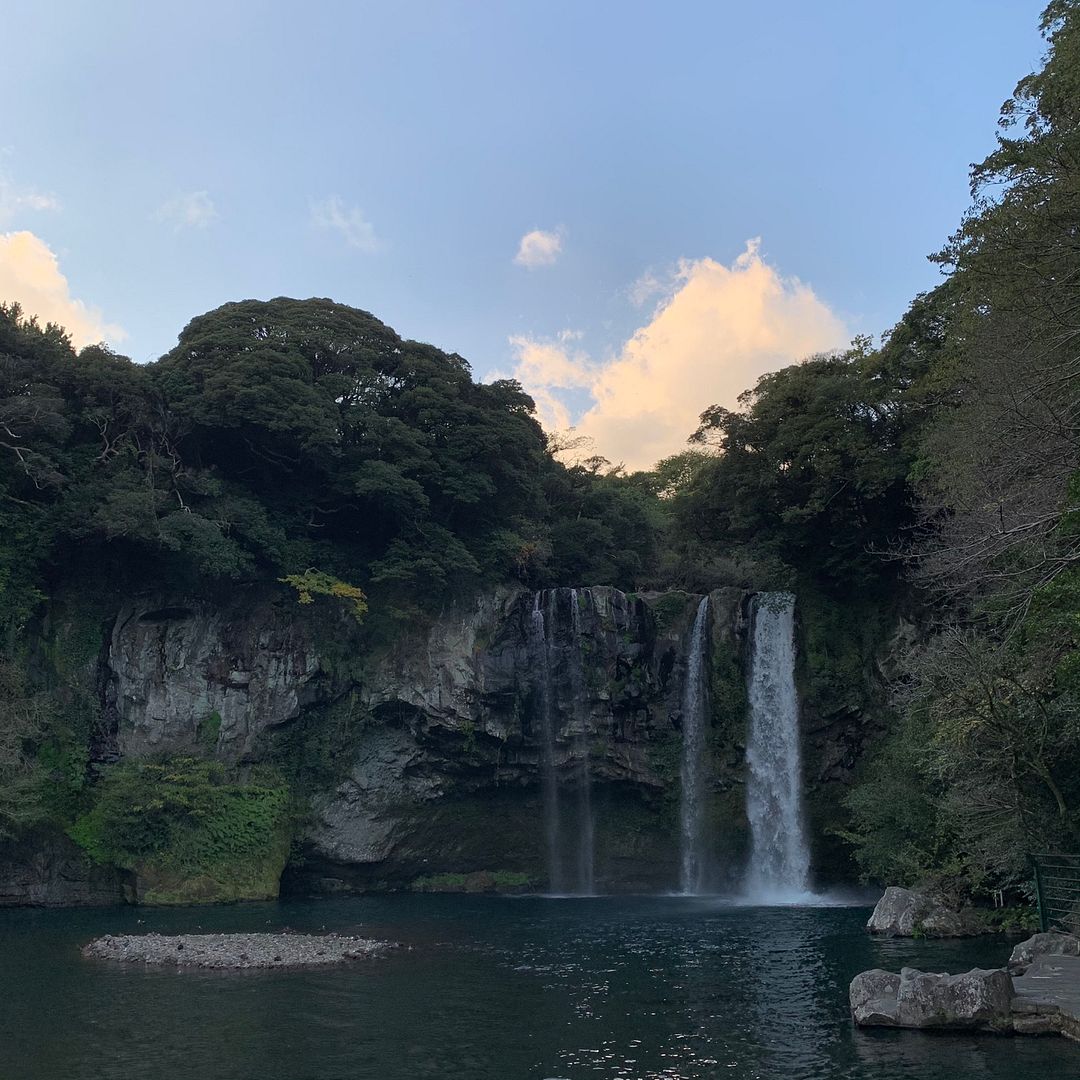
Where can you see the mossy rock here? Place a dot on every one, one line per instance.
(162, 885)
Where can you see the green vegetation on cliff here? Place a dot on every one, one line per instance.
(188, 831)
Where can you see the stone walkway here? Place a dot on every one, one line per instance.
(1037, 994)
(1048, 997)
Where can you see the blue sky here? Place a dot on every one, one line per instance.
(392, 156)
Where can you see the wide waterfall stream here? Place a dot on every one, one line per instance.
(779, 859)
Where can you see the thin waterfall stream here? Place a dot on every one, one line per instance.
(549, 781)
(695, 706)
(779, 868)
(586, 830)
(569, 868)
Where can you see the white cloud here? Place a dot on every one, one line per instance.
(14, 200)
(30, 274)
(540, 248)
(647, 287)
(193, 210)
(348, 221)
(720, 329)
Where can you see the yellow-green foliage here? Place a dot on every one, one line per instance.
(312, 583)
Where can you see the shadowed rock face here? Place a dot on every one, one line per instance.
(48, 870)
(449, 777)
(443, 774)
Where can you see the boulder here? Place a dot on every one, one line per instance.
(873, 998)
(1049, 944)
(978, 1000)
(912, 912)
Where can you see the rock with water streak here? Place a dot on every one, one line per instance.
(978, 1000)
(915, 913)
(1049, 944)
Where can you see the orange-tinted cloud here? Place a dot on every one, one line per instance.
(30, 274)
(717, 332)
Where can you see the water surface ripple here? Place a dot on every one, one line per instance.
(491, 989)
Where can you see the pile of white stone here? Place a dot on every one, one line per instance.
(234, 951)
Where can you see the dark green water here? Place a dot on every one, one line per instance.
(490, 988)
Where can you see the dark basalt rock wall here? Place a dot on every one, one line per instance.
(423, 759)
(46, 869)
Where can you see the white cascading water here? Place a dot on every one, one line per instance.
(695, 704)
(549, 781)
(779, 860)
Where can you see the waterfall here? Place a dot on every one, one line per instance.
(585, 854)
(695, 705)
(569, 871)
(539, 631)
(779, 859)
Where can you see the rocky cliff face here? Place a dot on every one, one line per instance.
(447, 778)
(185, 676)
(426, 760)
(445, 757)
(44, 869)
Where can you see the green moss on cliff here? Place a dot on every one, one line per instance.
(669, 608)
(190, 832)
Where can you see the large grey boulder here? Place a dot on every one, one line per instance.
(913, 912)
(978, 1000)
(1049, 944)
(873, 998)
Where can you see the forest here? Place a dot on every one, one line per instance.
(931, 477)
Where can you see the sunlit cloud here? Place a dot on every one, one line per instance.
(193, 210)
(30, 274)
(540, 248)
(547, 367)
(718, 330)
(347, 221)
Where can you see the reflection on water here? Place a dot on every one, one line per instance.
(668, 987)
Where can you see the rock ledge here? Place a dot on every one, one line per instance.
(234, 951)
